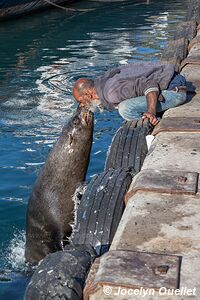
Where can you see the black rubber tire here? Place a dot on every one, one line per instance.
(100, 210)
(128, 148)
(61, 275)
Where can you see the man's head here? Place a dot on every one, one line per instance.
(85, 93)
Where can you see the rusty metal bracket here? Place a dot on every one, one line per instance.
(178, 124)
(135, 270)
(164, 181)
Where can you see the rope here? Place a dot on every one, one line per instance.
(68, 8)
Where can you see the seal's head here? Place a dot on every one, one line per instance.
(85, 93)
(87, 117)
(84, 117)
(79, 131)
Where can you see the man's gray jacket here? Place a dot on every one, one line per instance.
(132, 80)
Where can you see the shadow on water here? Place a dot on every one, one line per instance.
(40, 58)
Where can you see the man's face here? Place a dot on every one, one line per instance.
(87, 98)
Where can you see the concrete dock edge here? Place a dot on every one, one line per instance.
(155, 253)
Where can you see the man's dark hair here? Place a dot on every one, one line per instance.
(82, 84)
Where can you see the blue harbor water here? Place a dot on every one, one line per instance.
(40, 58)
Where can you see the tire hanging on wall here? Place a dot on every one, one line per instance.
(61, 275)
(100, 210)
(129, 147)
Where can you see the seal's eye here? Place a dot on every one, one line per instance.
(76, 121)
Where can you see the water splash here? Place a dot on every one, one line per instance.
(15, 258)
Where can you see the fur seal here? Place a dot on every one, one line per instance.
(50, 207)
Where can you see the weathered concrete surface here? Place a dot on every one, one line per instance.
(190, 66)
(155, 220)
(194, 50)
(193, 12)
(188, 110)
(162, 223)
(186, 29)
(164, 181)
(178, 125)
(198, 30)
(151, 269)
(176, 232)
(174, 151)
(175, 52)
(192, 73)
(194, 41)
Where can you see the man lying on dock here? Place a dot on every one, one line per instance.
(136, 89)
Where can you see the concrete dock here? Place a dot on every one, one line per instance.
(155, 253)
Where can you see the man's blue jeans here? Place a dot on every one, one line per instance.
(135, 107)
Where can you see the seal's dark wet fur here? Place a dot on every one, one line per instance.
(50, 208)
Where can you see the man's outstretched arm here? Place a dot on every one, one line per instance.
(152, 98)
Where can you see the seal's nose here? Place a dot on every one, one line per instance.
(87, 117)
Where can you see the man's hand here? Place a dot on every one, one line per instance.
(151, 106)
(152, 118)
